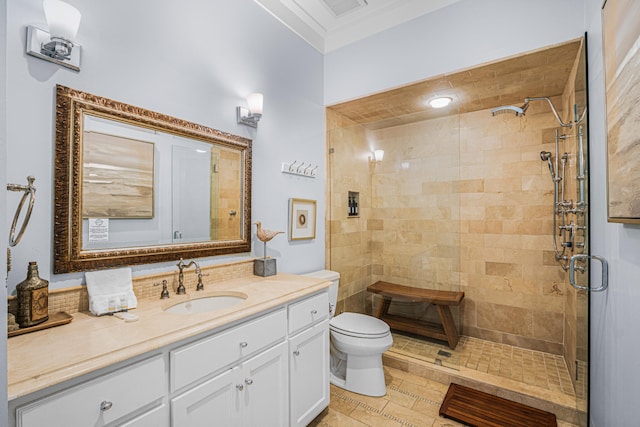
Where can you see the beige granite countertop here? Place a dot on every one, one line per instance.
(51, 356)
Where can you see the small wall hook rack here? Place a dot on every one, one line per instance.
(300, 168)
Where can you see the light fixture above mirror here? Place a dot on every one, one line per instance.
(57, 45)
(252, 115)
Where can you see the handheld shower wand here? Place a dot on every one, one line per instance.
(545, 156)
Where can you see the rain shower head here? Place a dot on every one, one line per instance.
(511, 109)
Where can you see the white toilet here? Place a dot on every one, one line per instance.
(357, 344)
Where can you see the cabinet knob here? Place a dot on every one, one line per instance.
(314, 311)
(296, 352)
(105, 406)
(240, 387)
(248, 381)
(244, 344)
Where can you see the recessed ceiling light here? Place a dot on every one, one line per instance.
(440, 102)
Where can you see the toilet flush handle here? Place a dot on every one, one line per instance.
(296, 352)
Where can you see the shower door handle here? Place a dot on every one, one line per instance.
(573, 268)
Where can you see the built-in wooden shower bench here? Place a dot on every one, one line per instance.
(447, 331)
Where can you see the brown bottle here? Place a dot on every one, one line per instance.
(33, 298)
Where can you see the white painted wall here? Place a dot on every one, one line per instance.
(459, 36)
(192, 59)
(615, 315)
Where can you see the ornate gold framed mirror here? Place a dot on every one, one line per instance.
(133, 186)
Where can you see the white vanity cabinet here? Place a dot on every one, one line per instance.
(308, 358)
(270, 370)
(131, 396)
(252, 394)
(249, 391)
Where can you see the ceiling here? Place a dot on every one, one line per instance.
(542, 73)
(331, 24)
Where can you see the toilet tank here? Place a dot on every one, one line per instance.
(334, 278)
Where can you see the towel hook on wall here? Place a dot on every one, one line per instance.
(300, 168)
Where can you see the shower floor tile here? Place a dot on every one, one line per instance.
(543, 370)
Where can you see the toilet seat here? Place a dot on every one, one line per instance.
(359, 326)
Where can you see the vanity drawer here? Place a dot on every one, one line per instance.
(308, 311)
(120, 393)
(209, 355)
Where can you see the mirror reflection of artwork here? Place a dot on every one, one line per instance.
(117, 177)
(621, 47)
(302, 219)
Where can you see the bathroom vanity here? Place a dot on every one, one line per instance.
(264, 361)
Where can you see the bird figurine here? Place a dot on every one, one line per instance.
(265, 235)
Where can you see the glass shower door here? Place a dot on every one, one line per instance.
(397, 220)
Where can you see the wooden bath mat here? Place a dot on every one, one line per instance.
(479, 409)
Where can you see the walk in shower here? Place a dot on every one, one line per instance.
(488, 196)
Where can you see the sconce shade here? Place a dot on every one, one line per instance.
(252, 115)
(62, 18)
(378, 155)
(254, 101)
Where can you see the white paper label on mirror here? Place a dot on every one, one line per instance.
(98, 229)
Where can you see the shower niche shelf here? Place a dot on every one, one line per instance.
(353, 203)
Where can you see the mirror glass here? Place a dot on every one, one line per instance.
(143, 187)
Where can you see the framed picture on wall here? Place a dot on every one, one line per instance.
(302, 219)
(621, 54)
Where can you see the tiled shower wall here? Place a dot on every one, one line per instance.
(461, 202)
(349, 238)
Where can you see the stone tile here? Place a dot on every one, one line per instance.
(399, 398)
(342, 405)
(548, 326)
(332, 418)
(377, 403)
(408, 416)
(500, 318)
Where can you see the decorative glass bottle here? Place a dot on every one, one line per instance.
(33, 298)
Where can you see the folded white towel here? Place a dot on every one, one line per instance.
(110, 291)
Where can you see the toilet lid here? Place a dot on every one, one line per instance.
(359, 325)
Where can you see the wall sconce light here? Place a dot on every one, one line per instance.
(57, 44)
(378, 155)
(251, 116)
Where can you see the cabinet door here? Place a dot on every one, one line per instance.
(309, 373)
(215, 402)
(157, 417)
(265, 398)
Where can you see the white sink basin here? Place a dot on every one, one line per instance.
(207, 304)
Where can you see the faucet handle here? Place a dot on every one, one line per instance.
(165, 292)
(200, 286)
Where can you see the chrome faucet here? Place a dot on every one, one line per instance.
(181, 266)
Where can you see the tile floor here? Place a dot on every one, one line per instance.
(544, 370)
(411, 401)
